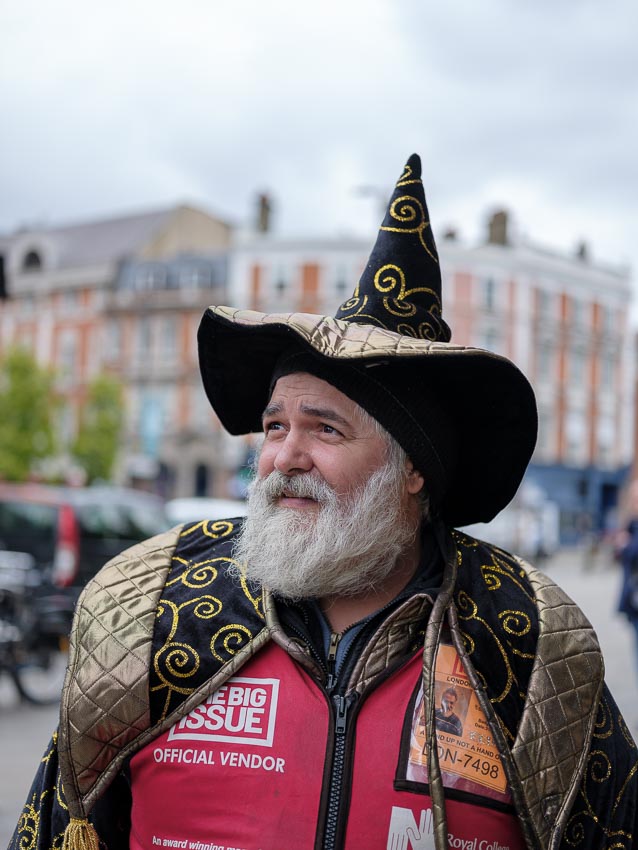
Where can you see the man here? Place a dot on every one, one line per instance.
(445, 719)
(261, 685)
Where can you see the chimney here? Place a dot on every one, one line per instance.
(497, 228)
(264, 209)
(582, 251)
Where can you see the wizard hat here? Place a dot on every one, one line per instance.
(466, 417)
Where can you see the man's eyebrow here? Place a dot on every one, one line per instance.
(274, 408)
(324, 413)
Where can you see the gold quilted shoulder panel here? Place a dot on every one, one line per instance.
(108, 672)
(553, 737)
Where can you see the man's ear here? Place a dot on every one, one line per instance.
(415, 480)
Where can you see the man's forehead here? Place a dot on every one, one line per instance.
(302, 388)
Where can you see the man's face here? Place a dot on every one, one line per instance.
(311, 427)
(448, 701)
(332, 508)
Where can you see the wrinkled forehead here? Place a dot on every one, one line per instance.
(315, 394)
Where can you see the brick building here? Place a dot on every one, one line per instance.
(124, 295)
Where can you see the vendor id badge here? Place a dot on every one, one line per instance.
(468, 756)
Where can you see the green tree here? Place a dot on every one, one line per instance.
(28, 404)
(101, 420)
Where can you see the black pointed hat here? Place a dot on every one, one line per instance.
(466, 417)
(400, 288)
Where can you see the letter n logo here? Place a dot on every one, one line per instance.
(406, 834)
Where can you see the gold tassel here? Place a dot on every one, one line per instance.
(80, 835)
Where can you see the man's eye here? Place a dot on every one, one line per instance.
(272, 426)
(328, 429)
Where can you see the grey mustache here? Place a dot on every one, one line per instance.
(305, 486)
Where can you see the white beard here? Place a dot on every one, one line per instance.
(348, 546)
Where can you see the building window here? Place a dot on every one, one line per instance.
(545, 362)
(67, 355)
(168, 339)
(70, 301)
(545, 426)
(32, 262)
(27, 306)
(341, 282)
(489, 294)
(578, 313)
(195, 277)
(143, 340)
(608, 371)
(544, 303)
(578, 361)
(605, 439)
(113, 340)
(281, 280)
(575, 436)
(150, 277)
(491, 340)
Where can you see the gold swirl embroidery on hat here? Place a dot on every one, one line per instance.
(391, 277)
(426, 330)
(406, 178)
(407, 210)
(355, 307)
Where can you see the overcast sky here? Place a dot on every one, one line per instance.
(126, 105)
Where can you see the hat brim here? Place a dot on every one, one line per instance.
(488, 397)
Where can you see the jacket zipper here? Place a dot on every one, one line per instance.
(341, 706)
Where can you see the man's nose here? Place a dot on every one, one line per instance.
(293, 455)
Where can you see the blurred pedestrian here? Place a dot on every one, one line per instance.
(627, 552)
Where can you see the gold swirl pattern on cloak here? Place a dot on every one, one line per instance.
(59, 793)
(178, 660)
(466, 542)
(255, 601)
(517, 623)
(468, 610)
(46, 758)
(197, 575)
(204, 608)
(604, 723)
(468, 643)
(575, 830)
(619, 797)
(599, 766)
(29, 823)
(409, 213)
(496, 571)
(233, 633)
(625, 732)
(215, 529)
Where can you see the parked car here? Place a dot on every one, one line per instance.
(197, 508)
(70, 533)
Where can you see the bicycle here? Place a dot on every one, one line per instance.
(34, 661)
